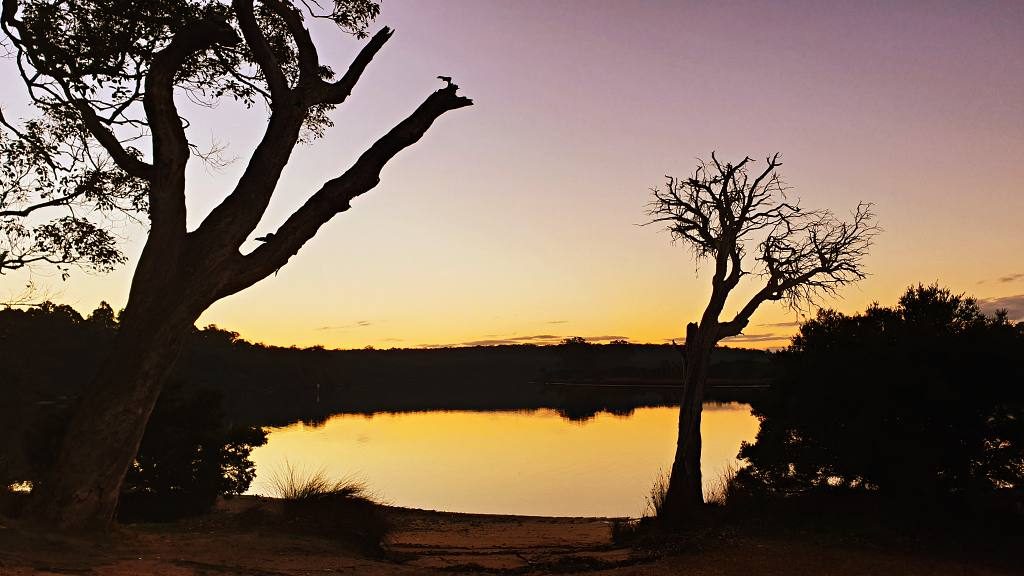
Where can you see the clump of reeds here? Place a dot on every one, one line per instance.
(632, 530)
(656, 497)
(719, 490)
(292, 484)
(314, 502)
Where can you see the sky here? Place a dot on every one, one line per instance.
(519, 219)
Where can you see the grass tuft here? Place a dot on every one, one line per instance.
(656, 497)
(719, 491)
(294, 485)
(314, 502)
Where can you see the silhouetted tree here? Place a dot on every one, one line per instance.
(103, 317)
(113, 68)
(922, 402)
(720, 211)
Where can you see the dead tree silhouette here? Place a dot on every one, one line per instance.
(719, 212)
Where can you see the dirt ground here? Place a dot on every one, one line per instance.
(436, 543)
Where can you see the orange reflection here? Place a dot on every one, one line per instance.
(531, 463)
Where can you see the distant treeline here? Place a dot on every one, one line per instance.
(51, 351)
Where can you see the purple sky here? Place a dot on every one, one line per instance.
(517, 217)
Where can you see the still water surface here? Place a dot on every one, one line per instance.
(532, 463)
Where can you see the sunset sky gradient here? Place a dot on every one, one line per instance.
(518, 218)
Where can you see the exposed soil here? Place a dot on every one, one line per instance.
(228, 543)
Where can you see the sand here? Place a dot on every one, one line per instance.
(425, 542)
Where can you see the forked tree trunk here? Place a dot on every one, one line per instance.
(182, 273)
(81, 488)
(685, 494)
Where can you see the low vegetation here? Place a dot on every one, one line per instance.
(313, 502)
(921, 404)
(722, 488)
(189, 456)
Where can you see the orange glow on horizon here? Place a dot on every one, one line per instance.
(519, 218)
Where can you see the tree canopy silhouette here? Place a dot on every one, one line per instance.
(57, 197)
(112, 68)
(921, 402)
(744, 223)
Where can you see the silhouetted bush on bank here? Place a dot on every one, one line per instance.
(189, 456)
(921, 404)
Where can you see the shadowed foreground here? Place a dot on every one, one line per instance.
(231, 541)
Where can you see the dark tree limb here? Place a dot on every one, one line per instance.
(238, 214)
(125, 160)
(170, 145)
(309, 59)
(262, 53)
(336, 195)
(23, 212)
(336, 92)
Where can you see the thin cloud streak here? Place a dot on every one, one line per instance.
(765, 337)
(1006, 279)
(1014, 306)
(538, 339)
(359, 324)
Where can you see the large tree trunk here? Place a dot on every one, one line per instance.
(81, 489)
(685, 494)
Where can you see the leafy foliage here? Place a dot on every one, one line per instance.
(921, 401)
(101, 52)
(188, 456)
(85, 64)
(58, 197)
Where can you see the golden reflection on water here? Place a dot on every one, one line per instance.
(531, 463)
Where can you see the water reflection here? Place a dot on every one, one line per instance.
(533, 463)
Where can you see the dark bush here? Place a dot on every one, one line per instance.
(922, 403)
(188, 457)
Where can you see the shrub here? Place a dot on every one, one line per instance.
(188, 457)
(314, 503)
(921, 402)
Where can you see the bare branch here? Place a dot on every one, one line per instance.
(127, 161)
(23, 212)
(236, 216)
(336, 195)
(721, 209)
(337, 92)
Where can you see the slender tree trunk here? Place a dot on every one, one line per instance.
(685, 494)
(82, 487)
